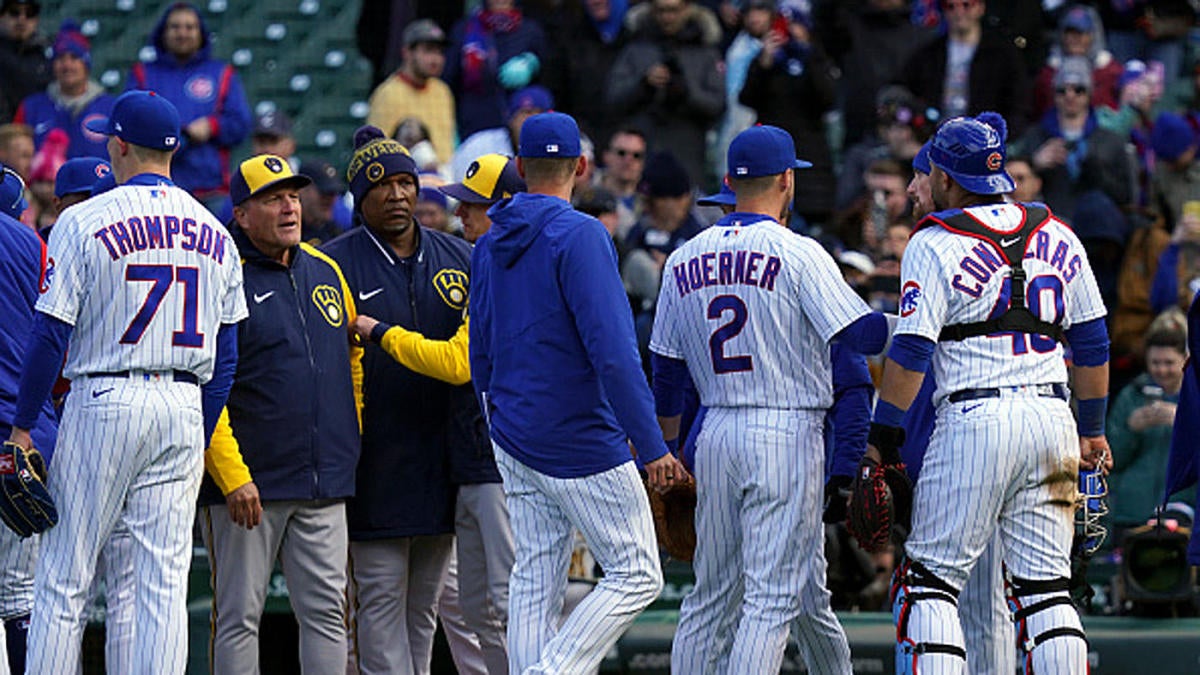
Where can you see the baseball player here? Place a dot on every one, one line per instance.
(24, 264)
(1005, 451)
(145, 285)
(982, 608)
(728, 296)
(268, 496)
(484, 545)
(554, 360)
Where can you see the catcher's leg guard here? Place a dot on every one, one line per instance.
(929, 638)
(1049, 632)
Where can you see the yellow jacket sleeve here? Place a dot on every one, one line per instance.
(445, 360)
(223, 458)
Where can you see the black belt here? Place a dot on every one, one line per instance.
(1058, 391)
(177, 375)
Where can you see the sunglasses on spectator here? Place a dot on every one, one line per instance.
(1073, 88)
(622, 153)
(27, 11)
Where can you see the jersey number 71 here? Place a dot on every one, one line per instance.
(162, 276)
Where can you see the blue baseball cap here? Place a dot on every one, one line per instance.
(533, 97)
(104, 183)
(550, 134)
(143, 118)
(971, 151)
(79, 175)
(921, 159)
(762, 150)
(725, 197)
(12, 193)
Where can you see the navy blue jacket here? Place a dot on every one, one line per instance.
(22, 274)
(552, 343)
(404, 486)
(292, 409)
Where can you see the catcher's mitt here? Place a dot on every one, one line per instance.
(881, 496)
(25, 504)
(674, 514)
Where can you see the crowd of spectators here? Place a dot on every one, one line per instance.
(1102, 99)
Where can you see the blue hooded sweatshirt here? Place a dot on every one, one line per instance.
(553, 351)
(199, 87)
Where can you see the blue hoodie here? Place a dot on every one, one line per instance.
(553, 351)
(199, 87)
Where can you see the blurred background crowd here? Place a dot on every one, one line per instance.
(1102, 99)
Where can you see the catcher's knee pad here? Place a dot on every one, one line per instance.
(929, 638)
(1049, 632)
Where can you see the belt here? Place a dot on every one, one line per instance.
(177, 375)
(1058, 391)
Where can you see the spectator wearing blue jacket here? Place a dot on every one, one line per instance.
(209, 96)
(72, 98)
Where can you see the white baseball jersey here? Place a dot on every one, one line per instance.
(138, 271)
(751, 307)
(950, 279)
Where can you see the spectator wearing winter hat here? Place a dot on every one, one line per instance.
(24, 67)
(433, 210)
(1080, 33)
(401, 519)
(71, 99)
(1072, 153)
(1176, 179)
(502, 140)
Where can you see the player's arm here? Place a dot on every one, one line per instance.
(903, 372)
(43, 359)
(593, 292)
(851, 410)
(445, 360)
(1089, 348)
(669, 377)
(223, 461)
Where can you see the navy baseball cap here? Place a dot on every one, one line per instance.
(921, 159)
(489, 179)
(533, 97)
(550, 134)
(104, 183)
(762, 150)
(725, 197)
(79, 175)
(971, 151)
(143, 118)
(12, 193)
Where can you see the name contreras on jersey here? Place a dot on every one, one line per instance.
(725, 269)
(151, 232)
(984, 260)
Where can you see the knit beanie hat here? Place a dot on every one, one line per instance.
(70, 40)
(376, 157)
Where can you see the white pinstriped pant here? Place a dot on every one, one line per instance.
(612, 512)
(760, 560)
(132, 451)
(983, 613)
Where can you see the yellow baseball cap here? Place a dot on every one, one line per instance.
(489, 178)
(260, 173)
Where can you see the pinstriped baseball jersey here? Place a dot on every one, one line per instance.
(751, 307)
(161, 263)
(951, 279)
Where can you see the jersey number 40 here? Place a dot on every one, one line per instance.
(162, 277)
(727, 331)
(1046, 284)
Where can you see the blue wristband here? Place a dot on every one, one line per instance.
(1091, 416)
(672, 445)
(888, 414)
(378, 331)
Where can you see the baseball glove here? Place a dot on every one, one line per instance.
(674, 514)
(25, 504)
(881, 496)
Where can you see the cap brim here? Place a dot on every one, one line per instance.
(98, 125)
(717, 199)
(297, 180)
(801, 164)
(463, 194)
(995, 184)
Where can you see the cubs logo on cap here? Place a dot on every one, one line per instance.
(489, 179)
(971, 150)
(262, 172)
(79, 175)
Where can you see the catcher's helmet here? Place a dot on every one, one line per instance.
(971, 150)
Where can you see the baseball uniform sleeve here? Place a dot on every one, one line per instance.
(826, 300)
(924, 290)
(592, 289)
(478, 331)
(67, 274)
(1083, 294)
(233, 304)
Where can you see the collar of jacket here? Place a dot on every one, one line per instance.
(251, 254)
(386, 249)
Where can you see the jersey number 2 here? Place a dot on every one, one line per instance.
(162, 276)
(716, 342)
